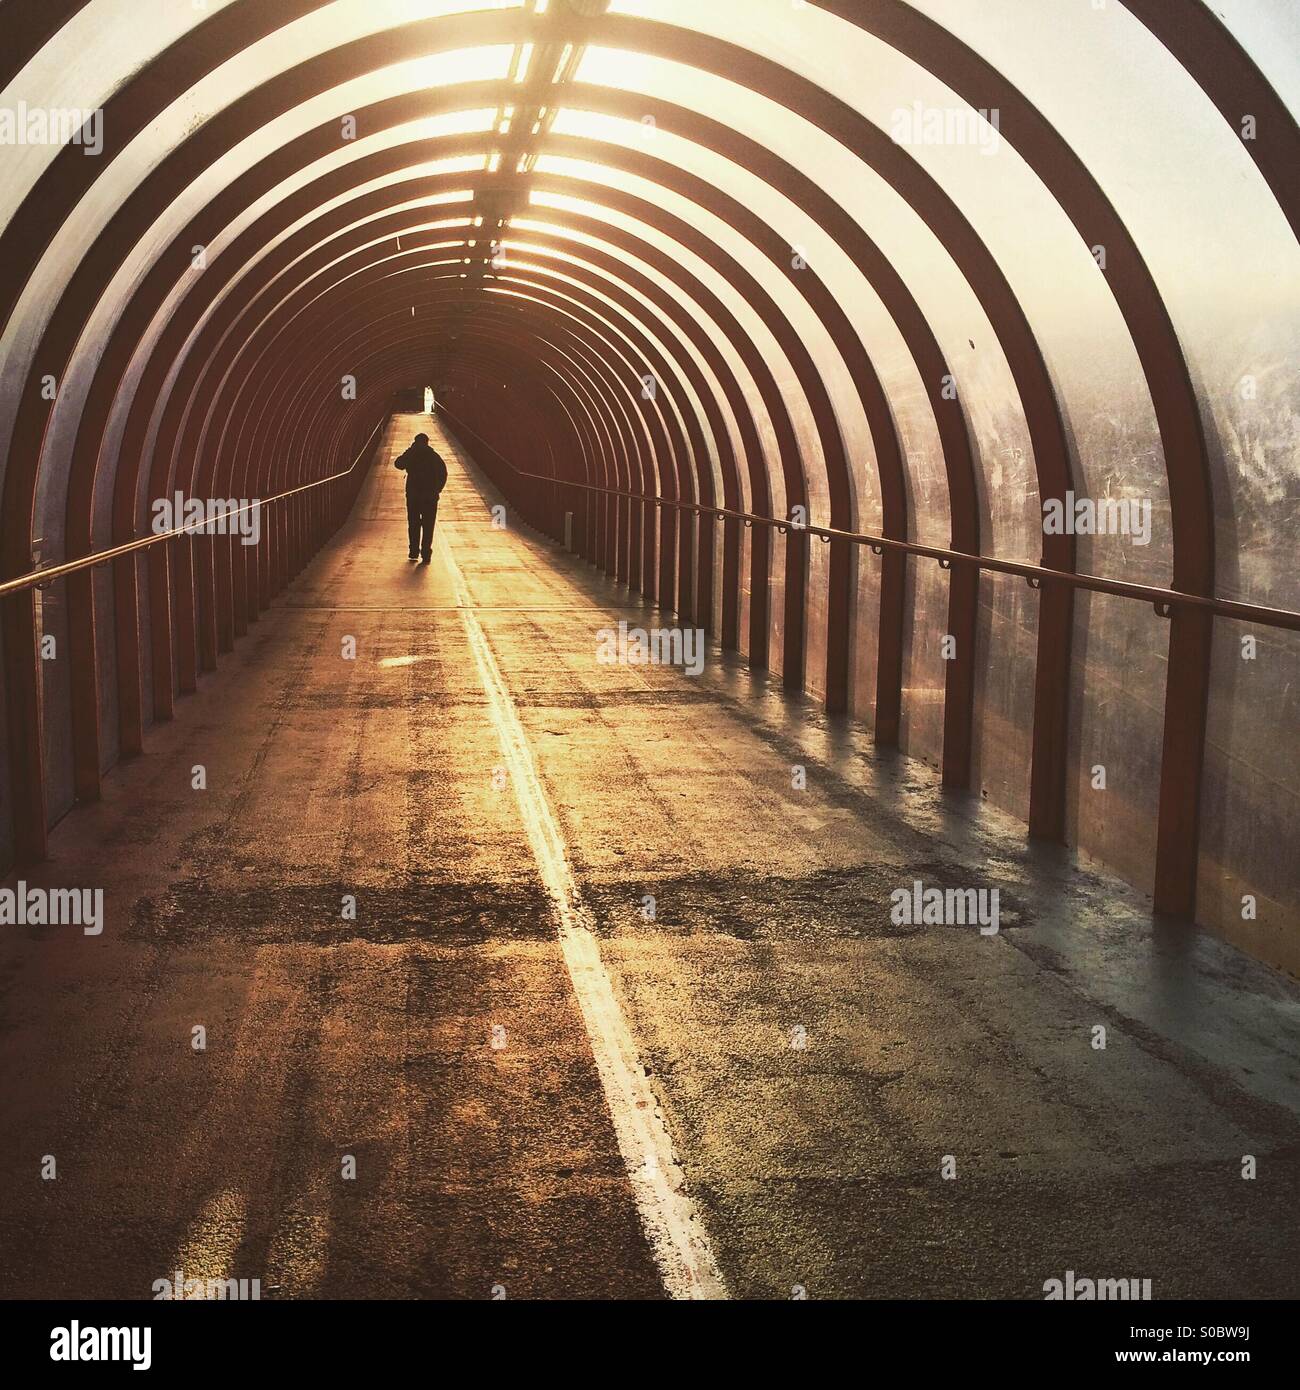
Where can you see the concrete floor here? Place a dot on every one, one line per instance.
(439, 1039)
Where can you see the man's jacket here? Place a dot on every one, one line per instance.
(426, 474)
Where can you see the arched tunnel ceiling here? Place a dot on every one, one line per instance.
(916, 267)
(921, 250)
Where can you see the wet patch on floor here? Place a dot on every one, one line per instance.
(435, 693)
(605, 700)
(829, 904)
(312, 914)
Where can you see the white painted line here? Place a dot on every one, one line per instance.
(672, 1224)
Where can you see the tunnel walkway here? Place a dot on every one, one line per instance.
(496, 800)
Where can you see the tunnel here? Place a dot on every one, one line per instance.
(649, 649)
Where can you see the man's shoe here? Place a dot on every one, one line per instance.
(427, 556)
(413, 556)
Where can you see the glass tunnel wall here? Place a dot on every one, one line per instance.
(911, 267)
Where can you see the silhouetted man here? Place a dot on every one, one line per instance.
(426, 476)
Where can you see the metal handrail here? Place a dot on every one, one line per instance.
(1036, 575)
(38, 578)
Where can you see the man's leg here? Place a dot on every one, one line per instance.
(413, 527)
(428, 518)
